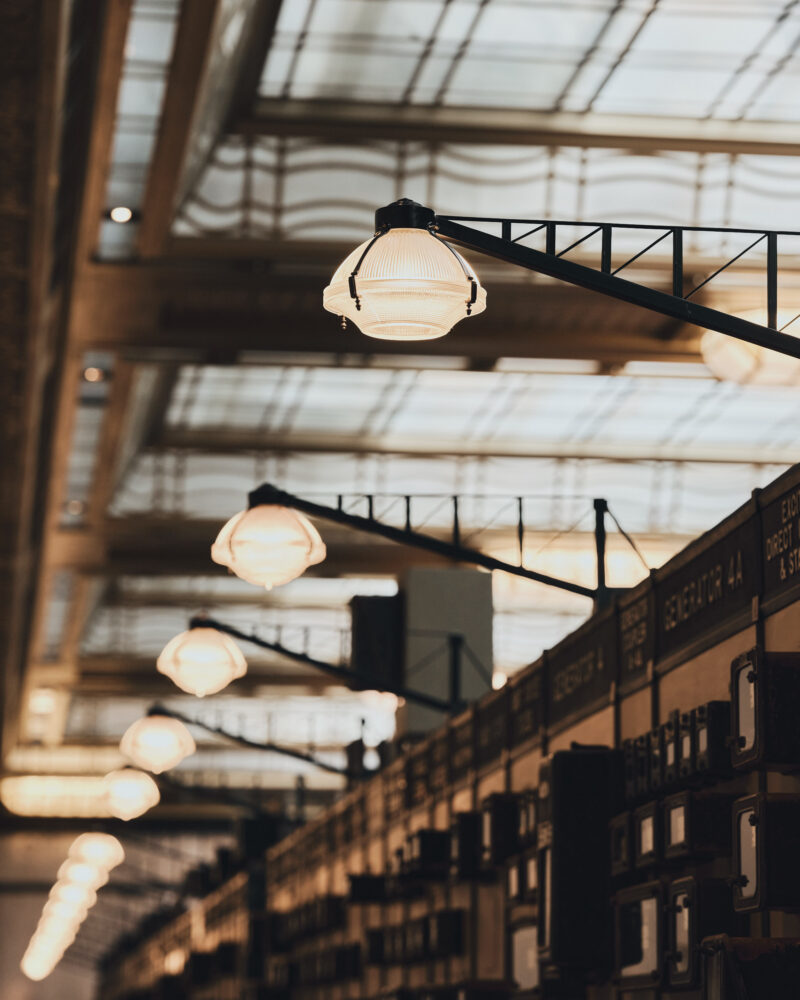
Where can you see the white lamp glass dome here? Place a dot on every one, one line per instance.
(74, 872)
(63, 910)
(732, 360)
(268, 545)
(38, 963)
(101, 849)
(410, 286)
(70, 892)
(202, 661)
(157, 743)
(130, 793)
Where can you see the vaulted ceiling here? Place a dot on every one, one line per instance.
(157, 369)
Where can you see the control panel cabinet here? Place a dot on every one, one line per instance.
(765, 707)
(766, 838)
(639, 936)
(579, 791)
(466, 845)
(696, 825)
(695, 910)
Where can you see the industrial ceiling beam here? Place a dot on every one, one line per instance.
(212, 441)
(211, 311)
(148, 546)
(35, 69)
(351, 121)
(128, 675)
(190, 58)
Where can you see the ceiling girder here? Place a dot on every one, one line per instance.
(351, 121)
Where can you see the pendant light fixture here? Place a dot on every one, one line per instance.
(130, 793)
(405, 283)
(101, 849)
(157, 742)
(74, 872)
(268, 545)
(732, 360)
(78, 895)
(201, 661)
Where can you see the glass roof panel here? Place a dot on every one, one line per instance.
(580, 55)
(330, 191)
(148, 50)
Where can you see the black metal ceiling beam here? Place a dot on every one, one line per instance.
(268, 494)
(245, 742)
(602, 279)
(344, 674)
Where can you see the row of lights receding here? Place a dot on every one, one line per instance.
(89, 862)
(404, 284)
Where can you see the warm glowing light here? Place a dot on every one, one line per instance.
(130, 793)
(499, 680)
(81, 873)
(38, 965)
(202, 661)
(372, 759)
(157, 743)
(93, 374)
(734, 360)
(99, 849)
(174, 962)
(42, 701)
(121, 214)
(268, 545)
(409, 285)
(79, 895)
(62, 910)
(54, 795)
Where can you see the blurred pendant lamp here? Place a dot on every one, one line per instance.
(405, 283)
(201, 661)
(157, 742)
(268, 545)
(130, 793)
(73, 872)
(100, 849)
(77, 895)
(732, 360)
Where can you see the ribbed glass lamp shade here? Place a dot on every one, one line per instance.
(130, 793)
(99, 849)
(157, 743)
(732, 360)
(411, 286)
(268, 545)
(202, 661)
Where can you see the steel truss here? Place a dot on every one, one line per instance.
(408, 535)
(603, 278)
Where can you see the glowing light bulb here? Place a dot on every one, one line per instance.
(406, 285)
(81, 873)
(130, 793)
(202, 661)
(99, 849)
(268, 545)
(120, 214)
(157, 743)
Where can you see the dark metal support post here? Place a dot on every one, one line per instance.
(600, 508)
(456, 643)
(677, 263)
(772, 280)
